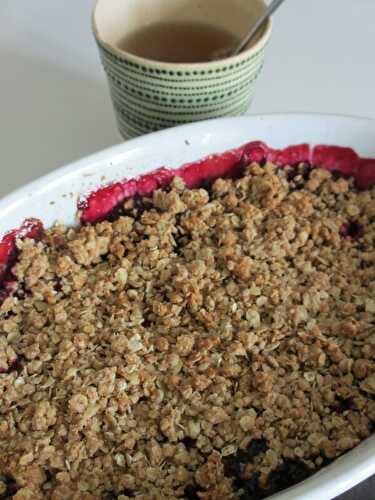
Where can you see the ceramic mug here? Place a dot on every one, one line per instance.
(150, 95)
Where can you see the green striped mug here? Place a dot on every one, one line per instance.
(150, 95)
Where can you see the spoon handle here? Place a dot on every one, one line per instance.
(266, 14)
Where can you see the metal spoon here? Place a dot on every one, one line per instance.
(253, 31)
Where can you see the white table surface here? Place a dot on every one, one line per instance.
(54, 103)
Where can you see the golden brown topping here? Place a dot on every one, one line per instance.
(202, 339)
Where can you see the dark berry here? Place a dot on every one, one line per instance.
(18, 364)
(250, 487)
(49, 476)
(146, 322)
(256, 447)
(111, 495)
(232, 466)
(305, 170)
(191, 492)
(235, 464)
(14, 366)
(297, 176)
(291, 173)
(352, 230)
(336, 175)
(116, 213)
(343, 404)
(289, 473)
(127, 492)
(188, 442)
(58, 285)
(207, 185)
(11, 487)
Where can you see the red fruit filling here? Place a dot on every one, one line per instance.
(99, 204)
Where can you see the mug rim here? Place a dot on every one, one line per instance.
(128, 56)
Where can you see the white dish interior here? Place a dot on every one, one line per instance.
(54, 198)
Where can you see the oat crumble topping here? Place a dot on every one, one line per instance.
(203, 345)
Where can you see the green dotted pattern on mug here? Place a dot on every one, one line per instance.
(148, 99)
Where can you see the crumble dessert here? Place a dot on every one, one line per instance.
(205, 344)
